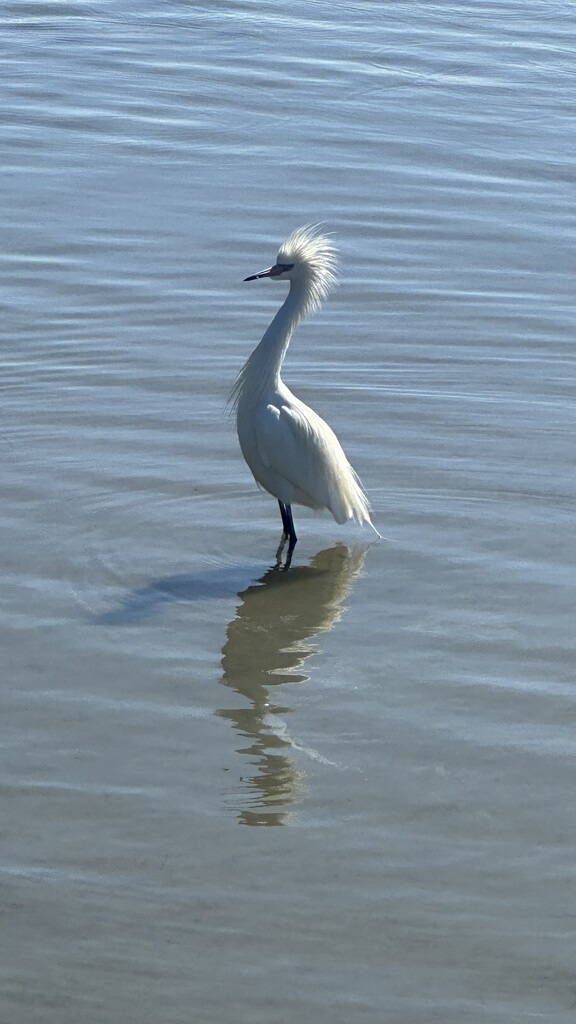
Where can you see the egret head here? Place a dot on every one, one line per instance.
(308, 259)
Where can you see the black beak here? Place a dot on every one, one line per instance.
(263, 273)
(274, 271)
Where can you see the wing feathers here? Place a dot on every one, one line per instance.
(297, 447)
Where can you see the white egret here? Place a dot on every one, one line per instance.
(292, 453)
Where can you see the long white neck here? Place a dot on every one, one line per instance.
(261, 372)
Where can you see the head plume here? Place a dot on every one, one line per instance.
(314, 261)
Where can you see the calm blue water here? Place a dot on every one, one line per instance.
(393, 720)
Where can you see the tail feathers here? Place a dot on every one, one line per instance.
(349, 501)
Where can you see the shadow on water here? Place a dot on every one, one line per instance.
(267, 645)
(146, 602)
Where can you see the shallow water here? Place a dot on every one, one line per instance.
(398, 714)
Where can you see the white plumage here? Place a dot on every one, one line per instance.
(290, 450)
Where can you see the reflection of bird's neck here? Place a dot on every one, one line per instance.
(262, 370)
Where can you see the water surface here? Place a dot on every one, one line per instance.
(392, 720)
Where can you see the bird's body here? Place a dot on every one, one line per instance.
(292, 453)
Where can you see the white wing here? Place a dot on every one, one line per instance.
(305, 462)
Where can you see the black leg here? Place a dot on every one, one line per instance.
(284, 536)
(292, 538)
(288, 533)
(285, 520)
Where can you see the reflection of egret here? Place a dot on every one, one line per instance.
(266, 645)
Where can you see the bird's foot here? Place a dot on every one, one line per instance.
(281, 545)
